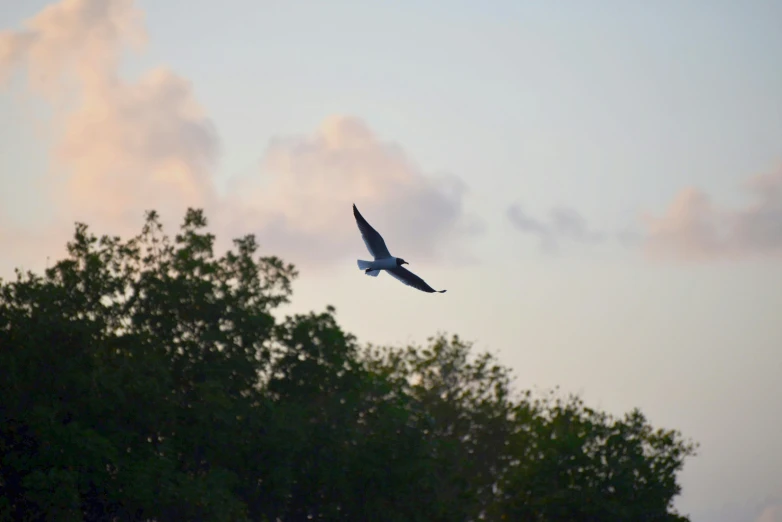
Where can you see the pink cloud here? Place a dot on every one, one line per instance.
(694, 228)
(302, 206)
(124, 146)
(121, 146)
(131, 147)
(71, 42)
(771, 514)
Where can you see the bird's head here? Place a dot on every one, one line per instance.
(400, 262)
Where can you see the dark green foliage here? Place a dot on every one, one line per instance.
(147, 380)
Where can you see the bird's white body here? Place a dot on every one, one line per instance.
(383, 263)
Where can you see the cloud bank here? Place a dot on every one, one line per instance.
(693, 228)
(124, 146)
(303, 203)
(121, 146)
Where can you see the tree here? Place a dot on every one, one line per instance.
(147, 379)
(515, 456)
(130, 366)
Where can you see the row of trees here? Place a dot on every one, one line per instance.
(146, 379)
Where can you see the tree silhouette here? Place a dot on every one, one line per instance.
(146, 379)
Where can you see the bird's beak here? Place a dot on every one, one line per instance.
(405, 263)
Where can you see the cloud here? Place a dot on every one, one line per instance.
(122, 146)
(136, 146)
(771, 514)
(71, 41)
(302, 205)
(693, 228)
(564, 224)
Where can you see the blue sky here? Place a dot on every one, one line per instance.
(611, 110)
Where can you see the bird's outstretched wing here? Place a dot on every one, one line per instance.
(373, 240)
(410, 279)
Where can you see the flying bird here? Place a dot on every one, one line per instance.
(383, 258)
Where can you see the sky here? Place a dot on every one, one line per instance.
(597, 185)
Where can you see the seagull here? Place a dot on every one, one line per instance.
(383, 258)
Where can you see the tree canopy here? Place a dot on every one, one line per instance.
(147, 379)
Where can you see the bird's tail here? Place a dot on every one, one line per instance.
(363, 265)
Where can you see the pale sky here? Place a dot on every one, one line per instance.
(598, 185)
